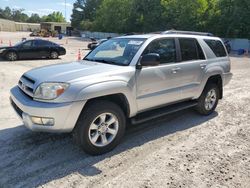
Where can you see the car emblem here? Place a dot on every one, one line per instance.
(23, 86)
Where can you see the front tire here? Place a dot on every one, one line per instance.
(208, 100)
(54, 55)
(100, 127)
(11, 56)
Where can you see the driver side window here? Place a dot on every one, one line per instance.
(165, 48)
(27, 44)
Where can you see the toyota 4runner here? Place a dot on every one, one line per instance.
(131, 78)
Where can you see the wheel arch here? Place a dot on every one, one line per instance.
(118, 92)
(118, 98)
(11, 50)
(217, 79)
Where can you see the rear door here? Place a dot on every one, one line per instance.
(192, 65)
(42, 48)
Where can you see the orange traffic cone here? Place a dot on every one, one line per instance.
(10, 43)
(79, 55)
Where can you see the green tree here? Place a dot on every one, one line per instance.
(34, 18)
(84, 12)
(6, 13)
(54, 17)
(77, 13)
(233, 18)
(225, 18)
(19, 16)
(113, 16)
(146, 16)
(184, 14)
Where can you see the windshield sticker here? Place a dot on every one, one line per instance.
(135, 42)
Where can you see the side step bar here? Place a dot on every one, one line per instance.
(153, 114)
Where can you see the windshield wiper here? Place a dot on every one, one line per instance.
(87, 59)
(102, 61)
(106, 61)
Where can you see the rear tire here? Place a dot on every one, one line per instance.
(11, 56)
(100, 127)
(208, 100)
(54, 55)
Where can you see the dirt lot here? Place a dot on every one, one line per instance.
(181, 150)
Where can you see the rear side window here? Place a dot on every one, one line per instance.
(217, 47)
(190, 49)
(41, 43)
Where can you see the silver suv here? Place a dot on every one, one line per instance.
(131, 78)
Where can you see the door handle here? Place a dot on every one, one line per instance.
(175, 70)
(203, 66)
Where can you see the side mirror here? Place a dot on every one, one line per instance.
(151, 59)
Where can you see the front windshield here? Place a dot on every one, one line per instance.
(118, 51)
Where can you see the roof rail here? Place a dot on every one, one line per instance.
(187, 33)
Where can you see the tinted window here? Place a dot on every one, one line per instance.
(41, 43)
(27, 44)
(190, 49)
(165, 48)
(217, 47)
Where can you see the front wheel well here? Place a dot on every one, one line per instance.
(119, 99)
(216, 79)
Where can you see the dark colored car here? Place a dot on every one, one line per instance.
(32, 49)
(95, 43)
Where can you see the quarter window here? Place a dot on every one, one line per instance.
(165, 48)
(190, 49)
(217, 47)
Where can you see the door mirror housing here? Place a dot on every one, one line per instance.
(151, 59)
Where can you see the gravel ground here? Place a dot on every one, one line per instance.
(181, 150)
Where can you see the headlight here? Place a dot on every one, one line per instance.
(1, 50)
(49, 91)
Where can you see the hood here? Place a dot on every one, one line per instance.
(5, 47)
(74, 71)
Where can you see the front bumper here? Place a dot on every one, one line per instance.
(65, 115)
(226, 78)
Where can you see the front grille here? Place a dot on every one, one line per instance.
(17, 109)
(26, 84)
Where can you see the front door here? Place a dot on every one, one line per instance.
(160, 84)
(26, 50)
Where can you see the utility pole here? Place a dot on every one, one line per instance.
(65, 14)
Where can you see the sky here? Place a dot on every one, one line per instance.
(41, 7)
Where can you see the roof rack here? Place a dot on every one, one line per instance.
(187, 33)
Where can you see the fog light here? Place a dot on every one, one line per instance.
(48, 121)
(37, 120)
(42, 121)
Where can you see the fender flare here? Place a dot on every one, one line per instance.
(212, 71)
(103, 89)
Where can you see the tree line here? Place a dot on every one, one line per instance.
(18, 15)
(225, 18)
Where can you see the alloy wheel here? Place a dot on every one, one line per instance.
(210, 99)
(103, 129)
